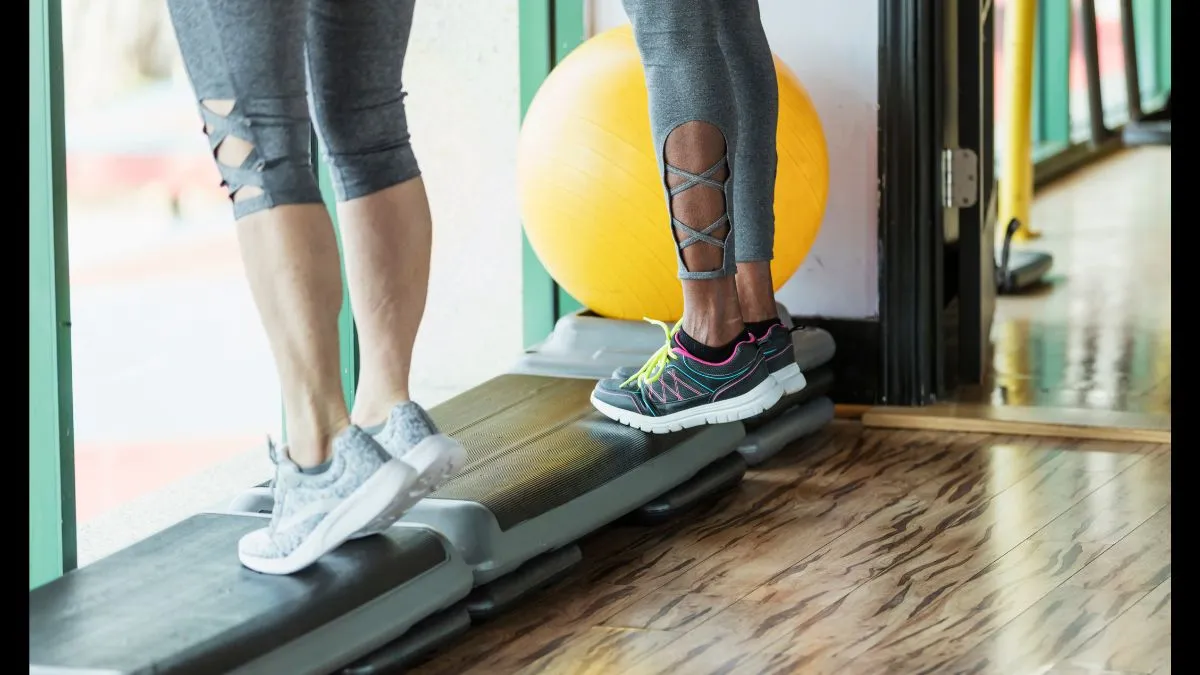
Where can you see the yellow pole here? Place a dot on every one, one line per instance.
(1016, 172)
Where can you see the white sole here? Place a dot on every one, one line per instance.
(790, 378)
(753, 402)
(382, 495)
(435, 460)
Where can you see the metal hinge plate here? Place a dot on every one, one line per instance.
(960, 178)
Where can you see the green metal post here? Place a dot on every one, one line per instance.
(569, 26)
(51, 437)
(539, 292)
(1163, 43)
(1145, 30)
(347, 333)
(1052, 74)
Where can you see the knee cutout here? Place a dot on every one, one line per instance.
(695, 157)
(232, 153)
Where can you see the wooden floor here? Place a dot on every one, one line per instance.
(1096, 338)
(874, 551)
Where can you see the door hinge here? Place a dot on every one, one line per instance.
(960, 178)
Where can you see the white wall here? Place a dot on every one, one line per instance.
(833, 47)
(462, 76)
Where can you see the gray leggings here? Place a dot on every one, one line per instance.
(709, 61)
(269, 58)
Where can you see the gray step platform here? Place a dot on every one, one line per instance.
(179, 602)
(794, 424)
(544, 469)
(423, 639)
(794, 417)
(588, 346)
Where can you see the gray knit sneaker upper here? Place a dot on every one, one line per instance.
(407, 425)
(303, 500)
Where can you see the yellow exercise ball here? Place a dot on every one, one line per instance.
(591, 194)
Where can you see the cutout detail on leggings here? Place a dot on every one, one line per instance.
(237, 158)
(695, 236)
(702, 217)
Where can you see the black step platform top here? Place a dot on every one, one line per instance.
(180, 602)
(535, 443)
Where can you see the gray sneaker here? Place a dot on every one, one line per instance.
(412, 437)
(363, 487)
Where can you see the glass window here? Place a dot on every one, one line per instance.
(1112, 63)
(173, 382)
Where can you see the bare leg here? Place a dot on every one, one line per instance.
(756, 292)
(387, 237)
(245, 59)
(292, 264)
(356, 61)
(291, 260)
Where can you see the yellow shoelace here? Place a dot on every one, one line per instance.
(653, 368)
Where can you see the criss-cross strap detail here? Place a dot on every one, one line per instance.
(219, 129)
(693, 180)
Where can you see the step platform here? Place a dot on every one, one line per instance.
(794, 417)
(179, 602)
(543, 470)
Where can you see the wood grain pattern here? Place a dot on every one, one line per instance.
(873, 551)
(1103, 425)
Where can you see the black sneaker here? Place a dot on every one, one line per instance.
(676, 390)
(777, 350)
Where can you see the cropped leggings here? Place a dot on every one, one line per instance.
(265, 70)
(709, 61)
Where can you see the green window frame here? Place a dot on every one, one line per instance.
(548, 31)
(51, 432)
(1052, 75)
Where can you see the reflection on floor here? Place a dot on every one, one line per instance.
(874, 552)
(1097, 337)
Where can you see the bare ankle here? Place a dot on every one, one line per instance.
(310, 448)
(310, 433)
(372, 410)
(756, 292)
(711, 314)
